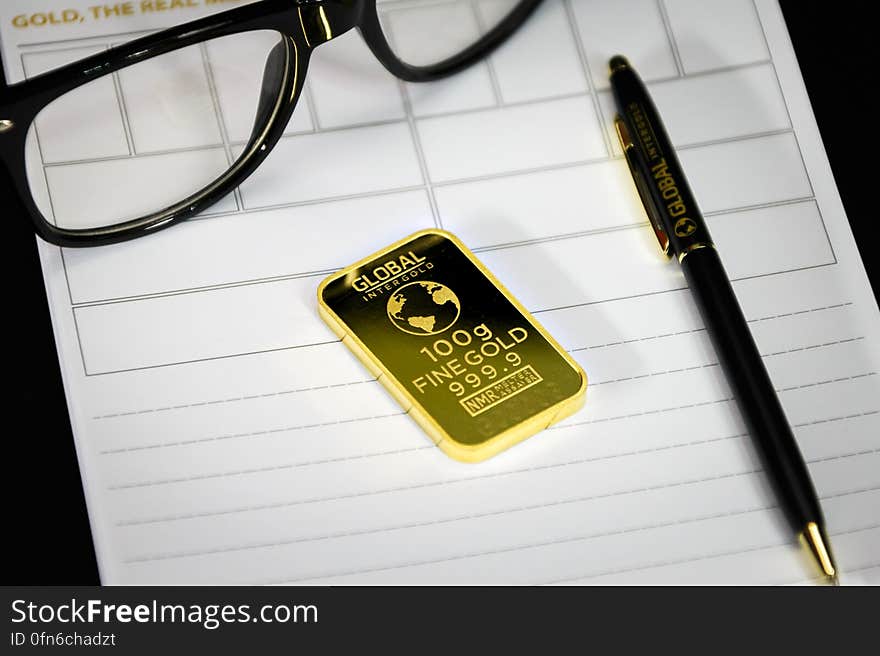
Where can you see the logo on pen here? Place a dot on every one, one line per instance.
(685, 227)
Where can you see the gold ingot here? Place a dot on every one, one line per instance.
(459, 353)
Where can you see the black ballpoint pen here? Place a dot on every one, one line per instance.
(682, 233)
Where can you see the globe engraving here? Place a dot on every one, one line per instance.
(423, 308)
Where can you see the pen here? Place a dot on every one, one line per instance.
(682, 233)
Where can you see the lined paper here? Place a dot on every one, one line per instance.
(226, 436)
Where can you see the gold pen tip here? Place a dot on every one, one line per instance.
(819, 545)
(618, 62)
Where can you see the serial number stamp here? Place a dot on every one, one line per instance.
(500, 391)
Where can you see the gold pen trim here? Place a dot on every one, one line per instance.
(692, 248)
(626, 141)
(628, 146)
(820, 547)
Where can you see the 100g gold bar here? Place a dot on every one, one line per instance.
(468, 363)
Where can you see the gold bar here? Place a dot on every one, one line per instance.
(459, 353)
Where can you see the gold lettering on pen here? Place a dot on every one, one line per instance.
(644, 131)
(666, 185)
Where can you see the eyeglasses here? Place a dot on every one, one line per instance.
(138, 137)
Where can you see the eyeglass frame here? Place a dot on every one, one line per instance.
(304, 24)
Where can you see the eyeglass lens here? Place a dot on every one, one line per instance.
(171, 125)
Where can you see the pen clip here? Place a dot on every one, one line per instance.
(626, 143)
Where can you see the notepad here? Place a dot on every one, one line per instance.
(225, 435)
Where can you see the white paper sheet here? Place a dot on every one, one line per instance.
(225, 435)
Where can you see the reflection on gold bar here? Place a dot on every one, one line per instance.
(469, 364)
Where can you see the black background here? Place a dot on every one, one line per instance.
(45, 528)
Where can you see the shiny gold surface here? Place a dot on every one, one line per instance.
(469, 364)
(818, 544)
(626, 141)
(628, 146)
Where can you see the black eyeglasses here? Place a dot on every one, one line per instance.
(138, 137)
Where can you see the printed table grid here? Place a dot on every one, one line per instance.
(428, 184)
(434, 184)
(415, 119)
